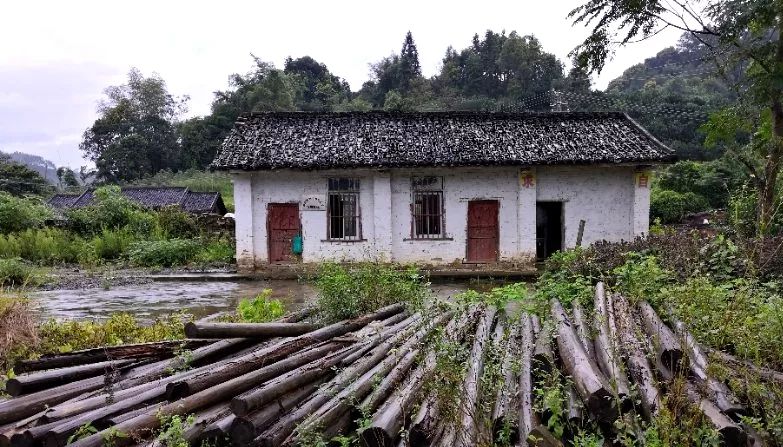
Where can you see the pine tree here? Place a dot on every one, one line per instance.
(410, 68)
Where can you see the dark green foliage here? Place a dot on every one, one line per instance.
(713, 180)
(17, 179)
(67, 177)
(17, 214)
(175, 223)
(135, 134)
(672, 206)
(499, 66)
(15, 273)
(347, 291)
(110, 210)
(164, 253)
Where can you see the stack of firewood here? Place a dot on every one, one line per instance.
(272, 384)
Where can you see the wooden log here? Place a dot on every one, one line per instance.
(638, 365)
(196, 329)
(389, 419)
(583, 328)
(217, 431)
(147, 379)
(731, 433)
(403, 326)
(203, 420)
(767, 374)
(309, 368)
(666, 344)
(543, 359)
(528, 419)
(467, 431)
(30, 436)
(297, 315)
(244, 429)
(606, 350)
(147, 422)
(574, 408)
(389, 382)
(30, 404)
(236, 367)
(159, 349)
(337, 398)
(505, 412)
(114, 420)
(423, 429)
(540, 436)
(590, 383)
(719, 392)
(41, 380)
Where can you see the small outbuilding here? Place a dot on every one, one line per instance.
(152, 197)
(435, 188)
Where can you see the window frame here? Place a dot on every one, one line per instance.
(421, 187)
(343, 187)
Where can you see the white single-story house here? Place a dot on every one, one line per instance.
(435, 188)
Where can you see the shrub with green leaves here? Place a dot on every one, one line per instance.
(176, 224)
(109, 210)
(672, 206)
(216, 252)
(15, 273)
(121, 328)
(640, 278)
(19, 213)
(348, 291)
(166, 253)
(260, 309)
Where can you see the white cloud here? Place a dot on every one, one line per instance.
(195, 45)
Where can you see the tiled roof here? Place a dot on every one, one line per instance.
(301, 140)
(152, 197)
(203, 202)
(63, 200)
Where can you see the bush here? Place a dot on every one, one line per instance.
(110, 210)
(174, 223)
(111, 245)
(260, 309)
(672, 206)
(118, 329)
(640, 278)
(345, 292)
(15, 273)
(216, 252)
(166, 253)
(17, 214)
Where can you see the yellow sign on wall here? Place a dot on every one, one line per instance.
(527, 178)
(642, 179)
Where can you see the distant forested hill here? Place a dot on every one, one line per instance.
(42, 166)
(671, 95)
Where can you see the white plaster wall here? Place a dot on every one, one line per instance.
(602, 196)
(460, 185)
(243, 220)
(605, 197)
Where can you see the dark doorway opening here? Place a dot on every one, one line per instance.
(549, 228)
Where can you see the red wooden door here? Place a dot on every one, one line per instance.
(483, 230)
(282, 225)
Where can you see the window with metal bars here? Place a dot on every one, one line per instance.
(343, 218)
(427, 208)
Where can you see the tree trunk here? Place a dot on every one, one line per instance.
(195, 329)
(606, 351)
(527, 416)
(467, 432)
(590, 383)
(638, 366)
(41, 380)
(667, 347)
(505, 413)
(135, 351)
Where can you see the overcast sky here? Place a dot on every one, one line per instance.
(56, 57)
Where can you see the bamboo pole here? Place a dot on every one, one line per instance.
(606, 351)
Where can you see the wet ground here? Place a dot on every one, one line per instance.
(149, 300)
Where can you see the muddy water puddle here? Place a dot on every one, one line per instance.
(148, 301)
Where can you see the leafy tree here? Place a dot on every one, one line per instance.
(135, 134)
(499, 66)
(743, 41)
(67, 177)
(19, 180)
(320, 89)
(400, 73)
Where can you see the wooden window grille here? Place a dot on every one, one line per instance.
(343, 218)
(427, 208)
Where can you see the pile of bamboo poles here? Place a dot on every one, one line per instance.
(279, 383)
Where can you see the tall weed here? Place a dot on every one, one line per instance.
(345, 292)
